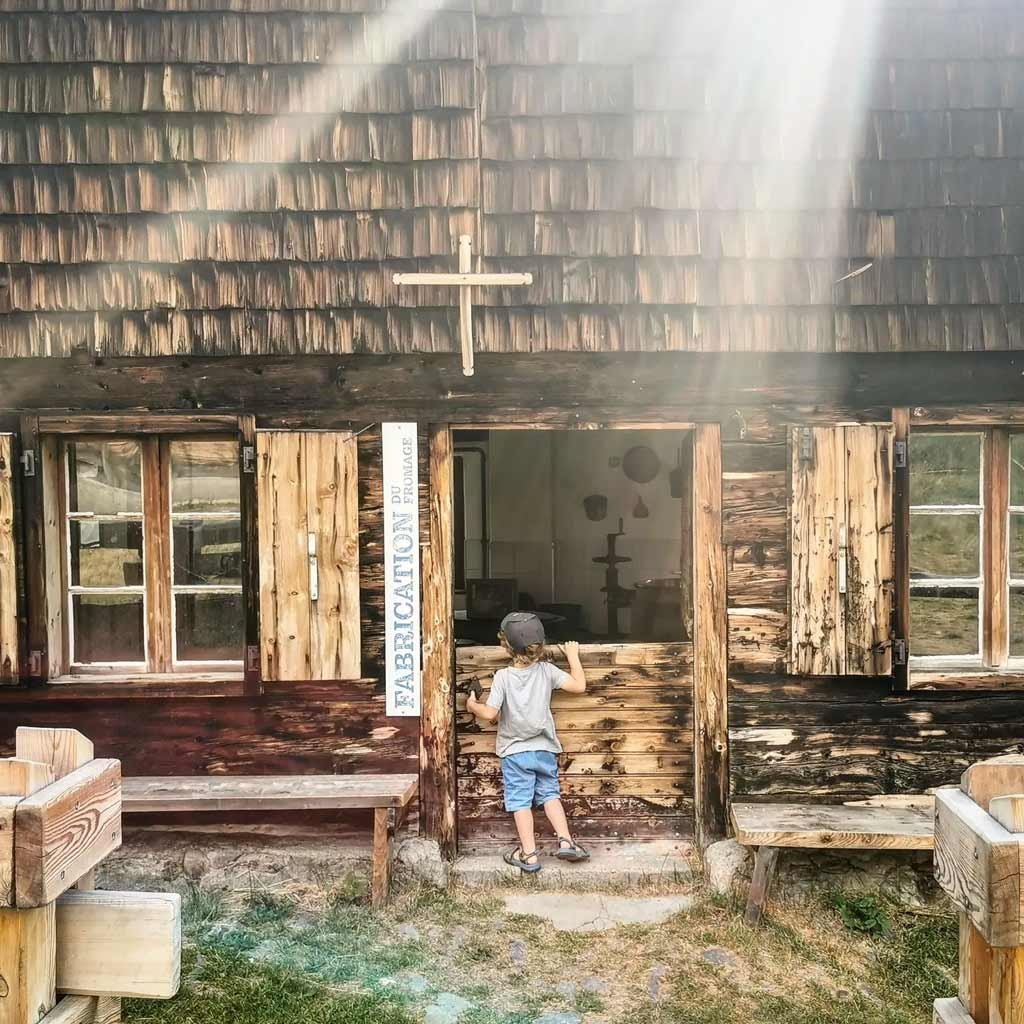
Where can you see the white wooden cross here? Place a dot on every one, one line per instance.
(465, 279)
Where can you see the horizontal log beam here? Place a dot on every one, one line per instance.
(84, 1010)
(64, 830)
(119, 944)
(551, 388)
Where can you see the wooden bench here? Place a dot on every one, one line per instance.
(388, 796)
(770, 827)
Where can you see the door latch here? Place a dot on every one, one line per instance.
(314, 570)
(842, 559)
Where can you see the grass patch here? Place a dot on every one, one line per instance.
(862, 913)
(201, 908)
(266, 908)
(226, 988)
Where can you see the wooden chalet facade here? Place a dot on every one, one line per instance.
(768, 303)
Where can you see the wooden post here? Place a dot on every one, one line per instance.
(975, 970)
(248, 509)
(761, 882)
(979, 863)
(66, 750)
(383, 840)
(34, 657)
(901, 545)
(9, 640)
(710, 647)
(28, 938)
(437, 724)
(996, 617)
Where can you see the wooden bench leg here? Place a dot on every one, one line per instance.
(760, 882)
(383, 841)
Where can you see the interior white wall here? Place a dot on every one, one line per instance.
(526, 514)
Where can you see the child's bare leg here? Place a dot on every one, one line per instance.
(527, 836)
(556, 815)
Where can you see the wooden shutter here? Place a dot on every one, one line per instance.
(8, 575)
(841, 545)
(309, 555)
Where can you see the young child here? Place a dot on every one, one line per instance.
(520, 700)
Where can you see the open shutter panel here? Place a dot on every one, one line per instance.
(309, 555)
(8, 573)
(870, 569)
(841, 545)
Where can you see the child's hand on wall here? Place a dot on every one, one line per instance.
(578, 681)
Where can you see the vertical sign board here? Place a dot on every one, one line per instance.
(401, 569)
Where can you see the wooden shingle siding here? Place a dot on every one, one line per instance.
(603, 147)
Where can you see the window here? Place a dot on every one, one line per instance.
(153, 571)
(967, 547)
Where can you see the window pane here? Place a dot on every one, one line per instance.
(945, 469)
(945, 547)
(209, 627)
(1017, 623)
(1017, 545)
(204, 476)
(944, 623)
(106, 554)
(1017, 469)
(108, 627)
(105, 477)
(207, 551)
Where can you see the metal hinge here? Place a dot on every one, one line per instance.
(899, 455)
(28, 462)
(252, 658)
(248, 458)
(899, 652)
(806, 444)
(35, 664)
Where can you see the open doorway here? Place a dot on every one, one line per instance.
(588, 528)
(592, 530)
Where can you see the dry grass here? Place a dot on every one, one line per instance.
(350, 963)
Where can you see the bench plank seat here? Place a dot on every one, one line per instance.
(386, 795)
(829, 827)
(900, 825)
(266, 792)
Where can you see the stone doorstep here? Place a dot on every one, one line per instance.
(618, 863)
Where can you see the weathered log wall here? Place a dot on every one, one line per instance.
(232, 179)
(834, 739)
(300, 728)
(627, 766)
(755, 529)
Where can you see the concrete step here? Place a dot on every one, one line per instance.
(610, 865)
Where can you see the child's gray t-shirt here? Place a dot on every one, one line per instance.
(523, 696)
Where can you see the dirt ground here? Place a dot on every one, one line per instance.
(259, 956)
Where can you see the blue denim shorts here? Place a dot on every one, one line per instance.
(531, 779)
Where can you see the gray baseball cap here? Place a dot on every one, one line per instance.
(522, 629)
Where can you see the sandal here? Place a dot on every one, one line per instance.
(572, 852)
(517, 859)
